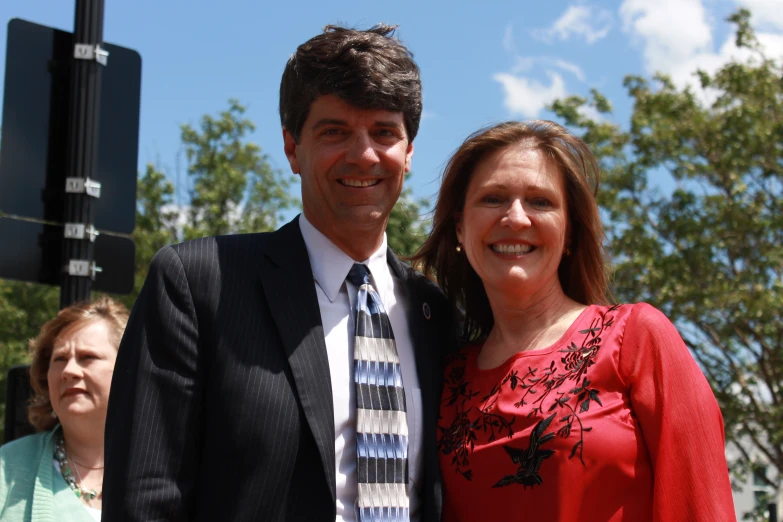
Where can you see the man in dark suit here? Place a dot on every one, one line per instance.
(234, 394)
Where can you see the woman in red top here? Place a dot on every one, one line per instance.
(563, 407)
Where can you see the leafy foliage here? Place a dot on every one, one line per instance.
(710, 253)
(406, 231)
(234, 187)
(24, 307)
(156, 223)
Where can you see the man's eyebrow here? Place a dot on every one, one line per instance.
(333, 121)
(389, 123)
(328, 121)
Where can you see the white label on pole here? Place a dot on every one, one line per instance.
(84, 52)
(101, 55)
(78, 268)
(93, 188)
(91, 52)
(74, 185)
(83, 185)
(74, 230)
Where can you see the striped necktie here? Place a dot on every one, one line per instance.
(381, 419)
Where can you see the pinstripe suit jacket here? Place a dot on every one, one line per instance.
(221, 401)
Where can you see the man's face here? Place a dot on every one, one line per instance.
(352, 163)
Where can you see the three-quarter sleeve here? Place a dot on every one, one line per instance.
(679, 418)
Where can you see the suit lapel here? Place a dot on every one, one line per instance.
(422, 326)
(426, 329)
(290, 294)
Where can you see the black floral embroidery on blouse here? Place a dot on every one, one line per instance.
(529, 459)
(539, 389)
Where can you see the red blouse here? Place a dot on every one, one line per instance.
(614, 422)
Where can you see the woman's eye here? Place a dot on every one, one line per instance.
(491, 200)
(541, 202)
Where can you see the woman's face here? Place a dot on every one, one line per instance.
(513, 227)
(80, 371)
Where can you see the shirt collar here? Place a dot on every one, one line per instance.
(331, 265)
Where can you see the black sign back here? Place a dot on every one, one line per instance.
(31, 252)
(34, 128)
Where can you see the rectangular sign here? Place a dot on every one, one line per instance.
(35, 130)
(32, 252)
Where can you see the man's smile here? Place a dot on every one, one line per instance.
(359, 183)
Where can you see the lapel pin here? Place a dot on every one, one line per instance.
(426, 309)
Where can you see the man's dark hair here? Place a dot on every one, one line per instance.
(369, 69)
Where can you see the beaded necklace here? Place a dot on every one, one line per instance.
(62, 457)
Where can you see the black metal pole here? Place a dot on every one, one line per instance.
(772, 508)
(82, 155)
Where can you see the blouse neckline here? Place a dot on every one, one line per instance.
(506, 365)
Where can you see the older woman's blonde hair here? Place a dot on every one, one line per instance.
(114, 314)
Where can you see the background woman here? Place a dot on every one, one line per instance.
(563, 407)
(57, 474)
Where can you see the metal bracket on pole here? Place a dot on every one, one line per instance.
(91, 52)
(79, 231)
(81, 268)
(83, 185)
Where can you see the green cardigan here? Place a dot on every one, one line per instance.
(30, 487)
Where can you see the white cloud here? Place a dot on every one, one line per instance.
(772, 44)
(677, 38)
(672, 31)
(570, 67)
(582, 20)
(590, 113)
(525, 63)
(765, 13)
(528, 97)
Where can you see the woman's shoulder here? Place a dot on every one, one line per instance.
(639, 319)
(20, 461)
(612, 327)
(21, 449)
(641, 314)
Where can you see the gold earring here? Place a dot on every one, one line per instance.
(567, 251)
(459, 248)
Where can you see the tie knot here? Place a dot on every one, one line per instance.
(359, 275)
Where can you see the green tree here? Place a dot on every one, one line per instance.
(234, 187)
(406, 230)
(710, 253)
(24, 308)
(234, 190)
(156, 224)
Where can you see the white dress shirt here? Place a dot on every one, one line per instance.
(336, 298)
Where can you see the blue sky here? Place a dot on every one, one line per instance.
(481, 62)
